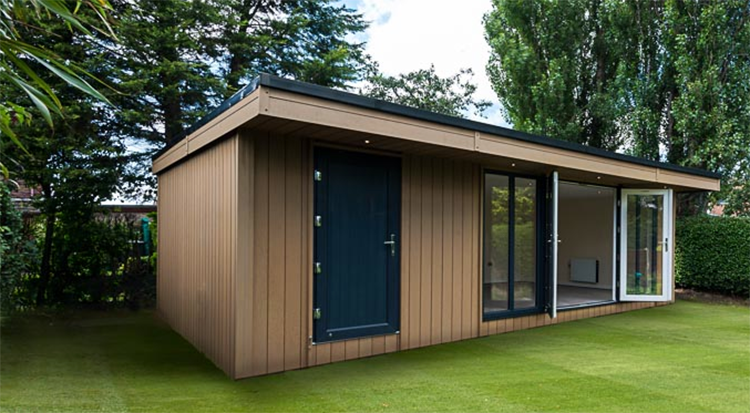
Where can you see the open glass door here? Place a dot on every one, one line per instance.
(552, 240)
(646, 245)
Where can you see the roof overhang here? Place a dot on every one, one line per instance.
(275, 103)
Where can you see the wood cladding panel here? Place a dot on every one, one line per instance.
(437, 251)
(281, 251)
(440, 247)
(197, 244)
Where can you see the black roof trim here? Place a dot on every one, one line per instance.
(326, 93)
(234, 99)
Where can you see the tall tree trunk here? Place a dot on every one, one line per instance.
(691, 203)
(49, 232)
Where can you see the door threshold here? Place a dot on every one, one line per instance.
(586, 305)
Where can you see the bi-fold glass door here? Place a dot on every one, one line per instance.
(646, 245)
(513, 256)
(521, 233)
(645, 269)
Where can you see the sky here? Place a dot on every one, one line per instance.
(408, 35)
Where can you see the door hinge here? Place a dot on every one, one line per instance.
(317, 314)
(619, 203)
(317, 175)
(318, 221)
(317, 268)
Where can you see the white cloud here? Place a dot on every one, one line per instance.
(408, 35)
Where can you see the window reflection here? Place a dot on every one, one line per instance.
(509, 198)
(524, 251)
(644, 261)
(495, 288)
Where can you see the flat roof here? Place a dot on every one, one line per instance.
(348, 98)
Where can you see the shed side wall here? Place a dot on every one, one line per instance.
(197, 244)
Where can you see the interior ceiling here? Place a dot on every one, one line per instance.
(577, 191)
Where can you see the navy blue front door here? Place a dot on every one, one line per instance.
(356, 244)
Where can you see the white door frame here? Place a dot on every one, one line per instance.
(554, 239)
(667, 246)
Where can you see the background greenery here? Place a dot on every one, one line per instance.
(664, 80)
(713, 254)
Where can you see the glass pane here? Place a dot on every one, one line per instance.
(644, 260)
(524, 244)
(495, 282)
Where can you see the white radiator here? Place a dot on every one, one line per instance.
(584, 270)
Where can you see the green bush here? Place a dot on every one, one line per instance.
(17, 254)
(713, 254)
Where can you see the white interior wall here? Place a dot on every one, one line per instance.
(585, 227)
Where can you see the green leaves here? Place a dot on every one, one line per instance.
(16, 53)
(713, 254)
(660, 80)
(424, 89)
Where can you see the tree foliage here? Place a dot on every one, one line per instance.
(17, 253)
(22, 63)
(179, 59)
(662, 80)
(425, 89)
(713, 254)
(80, 162)
(172, 61)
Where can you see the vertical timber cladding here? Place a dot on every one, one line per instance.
(440, 239)
(439, 261)
(197, 250)
(279, 313)
(439, 266)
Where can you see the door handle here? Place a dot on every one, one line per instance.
(392, 243)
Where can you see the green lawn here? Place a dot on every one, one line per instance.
(687, 357)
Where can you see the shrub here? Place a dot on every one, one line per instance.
(16, 253)
(713, 254)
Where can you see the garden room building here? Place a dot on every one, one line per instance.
(301, 225)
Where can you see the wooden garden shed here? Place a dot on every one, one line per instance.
(300, 225)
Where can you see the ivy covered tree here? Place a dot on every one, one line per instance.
(662, 80)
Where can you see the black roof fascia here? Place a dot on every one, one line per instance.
(238, 96)
(326, 93)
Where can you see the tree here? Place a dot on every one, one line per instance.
(177, 60)
(424, 89)
(77, 164)
(16, 54)
(16, 252)
(662, 80)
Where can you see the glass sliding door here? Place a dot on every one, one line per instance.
(495, 286)
(524, 243)
(646, 244)
(510, 281)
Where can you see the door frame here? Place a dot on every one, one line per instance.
(541, 241)
(394, 266)
(667, 245)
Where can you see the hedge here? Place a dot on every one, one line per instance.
(713, 254)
